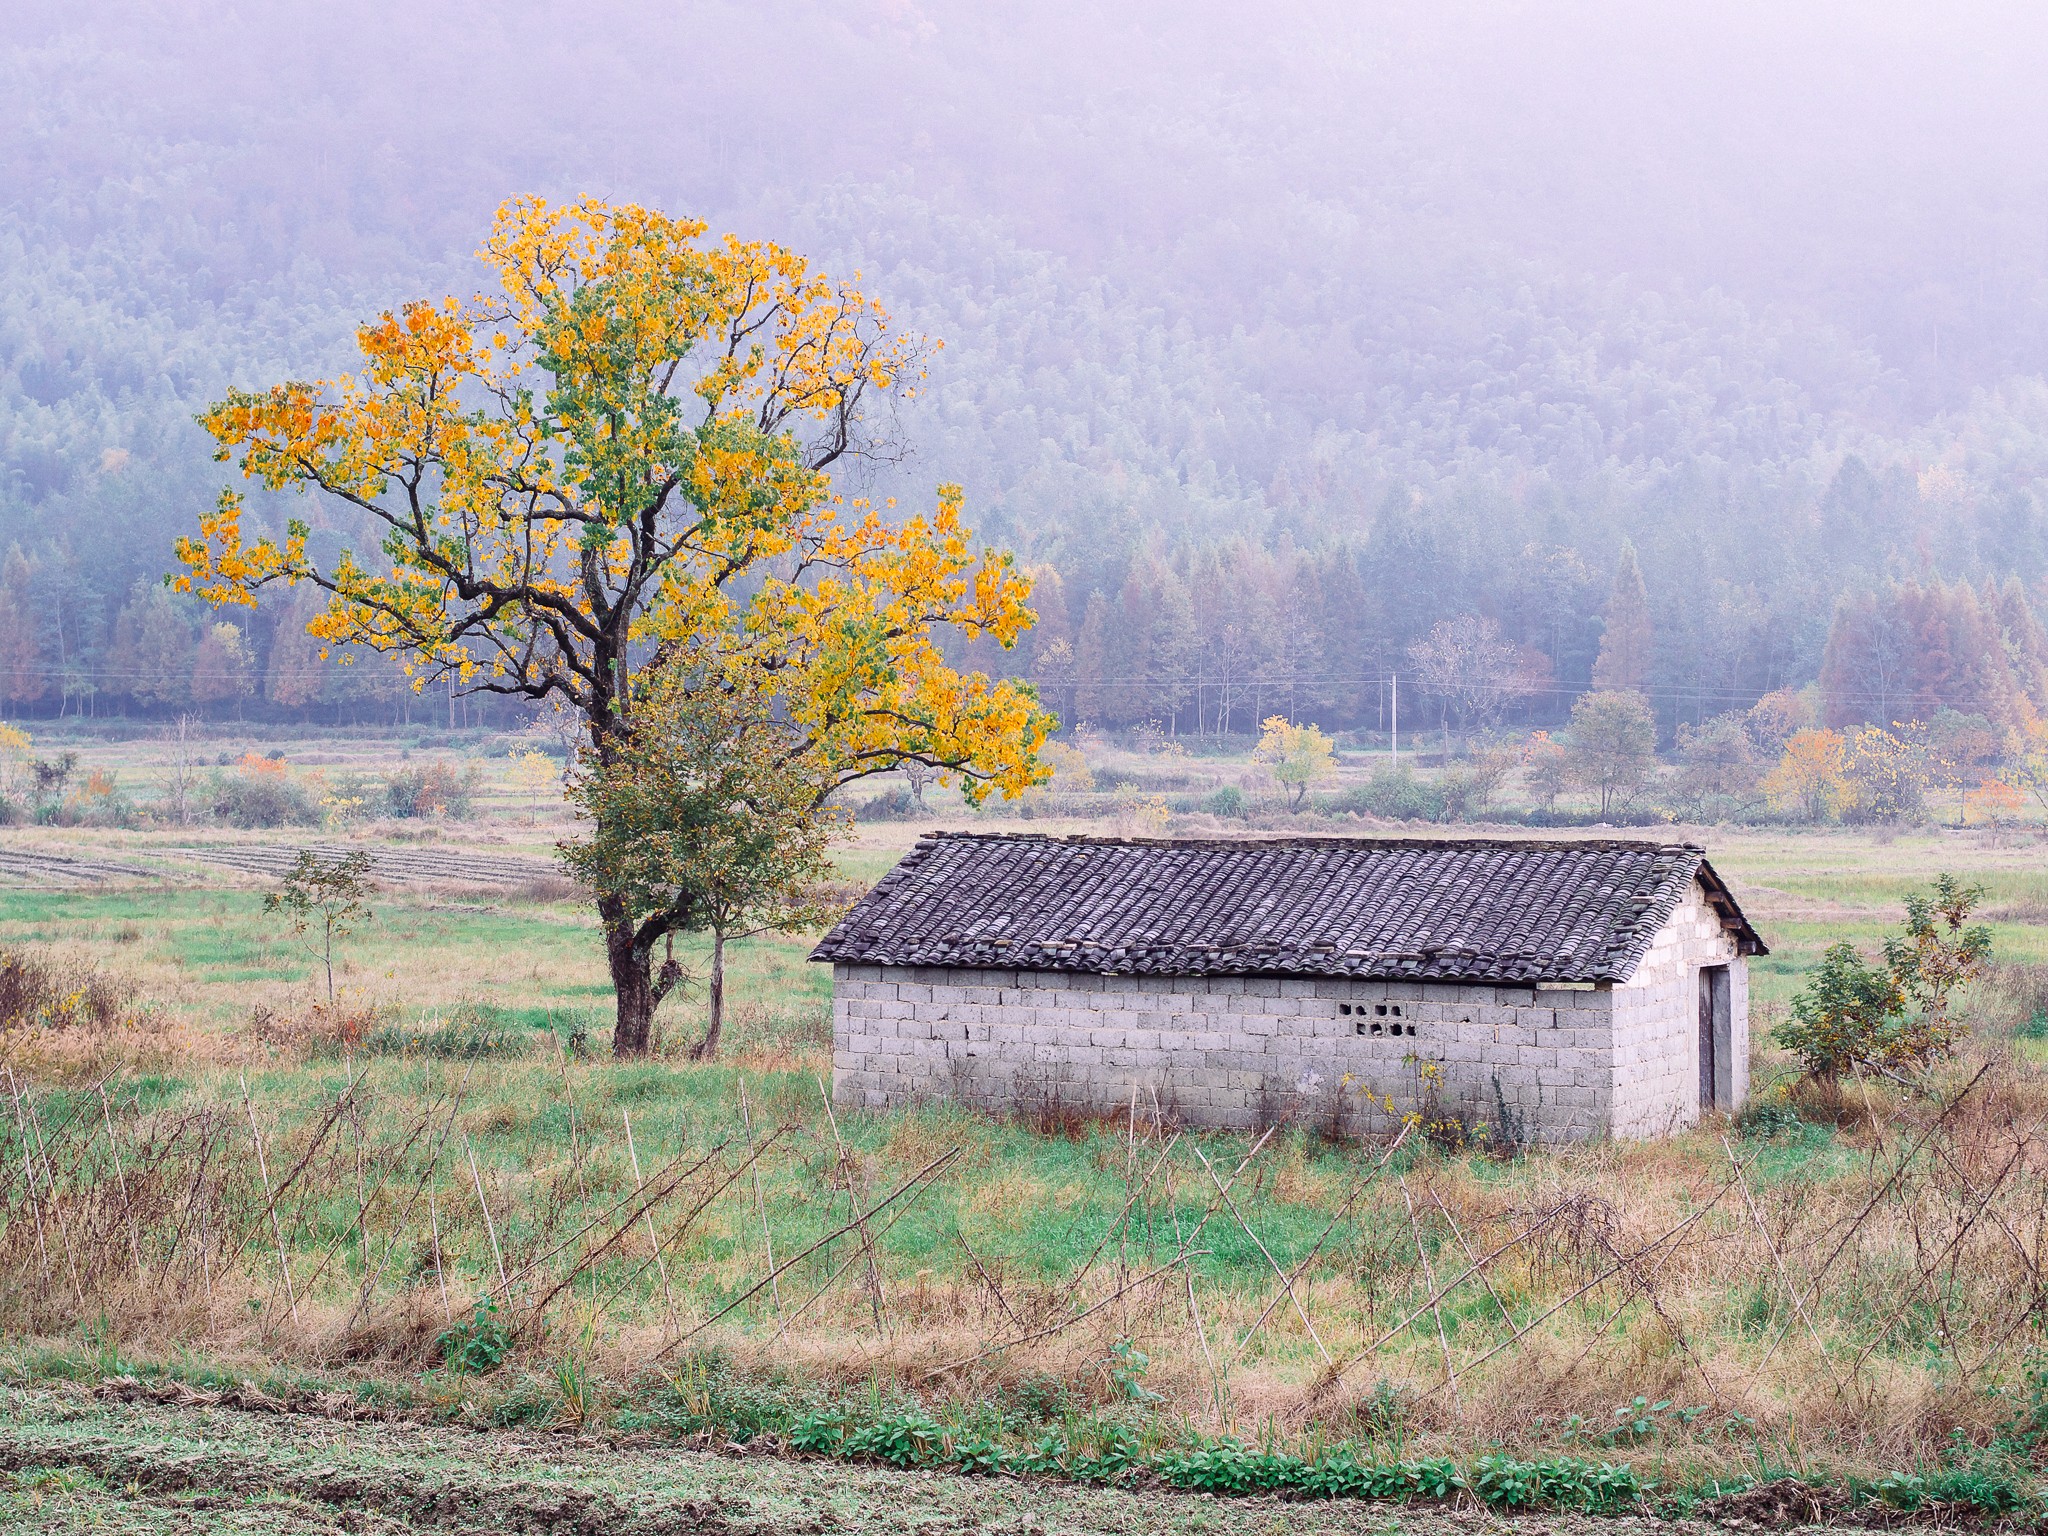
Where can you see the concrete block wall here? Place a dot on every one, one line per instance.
(1656, 1087)
(1229, 1052)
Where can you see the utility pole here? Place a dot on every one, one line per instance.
(1394, 741)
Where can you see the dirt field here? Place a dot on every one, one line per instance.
(71, 1462)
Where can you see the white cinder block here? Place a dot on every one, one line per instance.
(1225, 1051)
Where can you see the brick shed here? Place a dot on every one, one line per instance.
(1564, 990)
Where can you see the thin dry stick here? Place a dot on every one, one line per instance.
(1180, 1257)
(1458, 1232)
(668, 1173)
(205, 1232)
(1778, 1261)
(929, 1169)
(270, 1200)
(1111, 1299)
(1898, 1172)
(1116, 1226)
(1330, 1378)
(987, 1279)
(853, 1198)
(355, 1126)
(689, 1217)
(660, 1268)
(2032, 1312)
(1954, 1243)
(833, 1278)
(1647, 1284)
(387, 1166)
(1536, 1322)
(328, 1120)
(575, 1138)
(28, 1168)
(1286, 1282)
(35, 1122)
(420, 1185)
(490, 1227)
(1435, 1306)
(587, 1260)
(1219, 1391)
(440, 1276)
(760, 1205)
(121, 1183)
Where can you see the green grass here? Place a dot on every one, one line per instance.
(1032, 1207)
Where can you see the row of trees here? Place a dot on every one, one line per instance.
(1775, 759)
(1210, 640)
(1771, 760)
(164, 655)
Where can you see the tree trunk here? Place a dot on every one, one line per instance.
(632, 968)
(707, 1048)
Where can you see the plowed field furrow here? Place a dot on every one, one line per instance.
(408, 866)
(26, 867)
(189, 1470)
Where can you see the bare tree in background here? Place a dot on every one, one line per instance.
(1470, 671)
(920, 777)
(1054, 670)
(180, 773)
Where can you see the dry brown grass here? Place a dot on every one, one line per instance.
(1871, 1282)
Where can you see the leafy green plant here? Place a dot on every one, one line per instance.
(323, 902)
(1768, 1117)
(1127, 1367)
(905, 1440)
(479, 1344)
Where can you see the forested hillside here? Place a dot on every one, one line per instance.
(1273, 345)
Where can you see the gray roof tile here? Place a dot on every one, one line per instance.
(1379, 908)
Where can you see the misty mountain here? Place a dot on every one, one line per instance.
(1455, 296)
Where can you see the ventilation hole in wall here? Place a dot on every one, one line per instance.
(1378, 1029)
(1344, 1008)
(1361, 1027)
(1380, 1009)
(1397, 1010)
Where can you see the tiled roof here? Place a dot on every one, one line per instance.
(1364, 907)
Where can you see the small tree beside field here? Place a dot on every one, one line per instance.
(324, 902)
(712, 815)
(1611, 746)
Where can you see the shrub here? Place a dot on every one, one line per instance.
(896, 804)
(1227, 801)
(1843, 1016)
(1393, 794)
(473, 1032)
(1768, 1117)
(36, 992)
(254, 797)
(436, 789)
(1898, 1015)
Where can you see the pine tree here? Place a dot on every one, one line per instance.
(1626, 635)
(22, 678)
(1092, 695)
(152, 657)
(295, 675)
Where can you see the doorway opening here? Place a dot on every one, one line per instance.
(1717, 1085)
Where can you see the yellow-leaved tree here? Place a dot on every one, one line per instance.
(1296, 756)
(621, 452)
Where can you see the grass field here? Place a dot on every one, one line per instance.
(1855, 1287)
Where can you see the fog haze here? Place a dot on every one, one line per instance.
(1522, 282)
